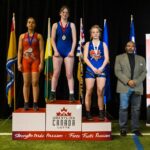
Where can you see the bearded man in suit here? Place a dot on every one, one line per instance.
(130, 70)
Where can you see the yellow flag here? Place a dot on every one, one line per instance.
(11, 60)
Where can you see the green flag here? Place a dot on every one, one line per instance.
(48, 71)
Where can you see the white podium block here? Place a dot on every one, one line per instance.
(96, 130)
(63, 120)
(28, 125)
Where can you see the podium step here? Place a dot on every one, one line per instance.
(28, 125)
(96, 130)
(66, 102)
(30, 110)
(60, 120)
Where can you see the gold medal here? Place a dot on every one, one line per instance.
(63, 37)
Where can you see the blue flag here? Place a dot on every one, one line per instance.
(132, 32)
(105, 33)
(107, 92)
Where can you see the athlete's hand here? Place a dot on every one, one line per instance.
(71, 54)
(41, 66)
(95, 70)
(20, 67)
(56, 54)
(100, 70)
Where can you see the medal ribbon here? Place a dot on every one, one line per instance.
(95, 48)
(30, 39)
(63, 28)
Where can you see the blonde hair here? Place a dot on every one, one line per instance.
(97, 27)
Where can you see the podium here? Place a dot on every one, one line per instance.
(28, 125)
(61, 120)
(96, 130)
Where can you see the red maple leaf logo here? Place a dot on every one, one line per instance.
(63, 112)
(64, 109)
(58, 113)
(69, 114)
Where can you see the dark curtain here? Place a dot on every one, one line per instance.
(93, 12)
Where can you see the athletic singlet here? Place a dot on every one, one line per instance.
(63, 44)
(31, 51)
(96, 57)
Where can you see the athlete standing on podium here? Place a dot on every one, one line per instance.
(64, 43)
(31, 61)
(96, 58)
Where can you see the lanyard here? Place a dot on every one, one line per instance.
(96, 47)
(63, 28)
(30, 39)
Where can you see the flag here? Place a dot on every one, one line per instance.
(10, 64)
(105, 34)
(48, 70)
(132, 32)
(81, 40)
(107, 91)
(80, 63)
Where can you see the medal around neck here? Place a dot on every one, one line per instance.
(30, 49)
(64, 37)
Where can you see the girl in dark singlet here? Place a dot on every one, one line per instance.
(96, 58)
(64, 43)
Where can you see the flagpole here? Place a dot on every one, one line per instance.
(14, 67)
(131, 17)
(105, 106)
(14, 88)
(79, 58)
(80, 63)
(81, 79)
(47, 75)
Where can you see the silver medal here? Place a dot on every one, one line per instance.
(63, 37)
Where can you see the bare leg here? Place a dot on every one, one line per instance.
(35, 86)
(100, 92)
(57, 63)
(26, 86)
(89, 88)
(69, 64)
